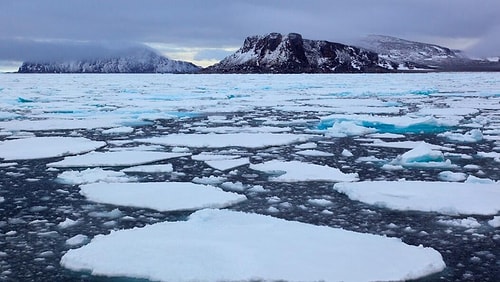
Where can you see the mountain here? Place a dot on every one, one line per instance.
(278, 53)
(417, 55)
(135, 60)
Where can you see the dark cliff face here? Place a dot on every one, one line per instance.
(277, 53)
(138, 61)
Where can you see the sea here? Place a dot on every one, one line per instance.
(359, 124)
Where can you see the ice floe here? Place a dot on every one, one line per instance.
(249, 140)
(221, 245)
(117, 158)
(472, 136)
(92, 175)
(161, 196)
(293, 171)
(46, 147)
(227, 164)
(150, 168)
(315, 153)
(423, 156)
(452, 176)
(441, 197)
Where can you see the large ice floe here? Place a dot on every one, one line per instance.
(162, 196)
(293, 171)
(46, 147)
(221, 245)
(440, 197)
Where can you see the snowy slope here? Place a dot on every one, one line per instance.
(278, 53)
(417, 55)
(137, 60)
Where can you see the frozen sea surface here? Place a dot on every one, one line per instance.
(281, 141)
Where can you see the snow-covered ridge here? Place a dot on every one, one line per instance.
(137, 60)
(278, 53)
(408, 54)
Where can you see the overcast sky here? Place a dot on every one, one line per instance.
(205, 31)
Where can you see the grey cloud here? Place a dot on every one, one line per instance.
(217, 23)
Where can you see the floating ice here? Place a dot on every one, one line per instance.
(477, 180)
(319, 202)
(315, 153)
(309, 145)
(77, 240)
(119, 130)
(227, 164)
(31, 148)
(294, 171)
(472, 136)
(423, 156)
(249, 140)
(452, 176)
(150, 168)
(347, 153)
(118, 158)
(468, 222)
(242, 129)
(211, 180)
(161, 196)
(494, 155)
(405, 145)
(92, 175)
(441, 197)
(347, 128)
(392, 124)
(68, 222)
(222, 245)
(495, 222)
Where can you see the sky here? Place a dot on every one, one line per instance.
(205, 31)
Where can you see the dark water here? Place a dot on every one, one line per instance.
(32, 243)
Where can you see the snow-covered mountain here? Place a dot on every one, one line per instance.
(417, 55)
(136, 60)
(278, 53)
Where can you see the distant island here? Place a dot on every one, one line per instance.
(278, 53)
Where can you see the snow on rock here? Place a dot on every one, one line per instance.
(441, 197)
(223, 245)
(294, 171)
(249, 140)
(118, 158)
(161, 196)
(92, 175)
(29, 148)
